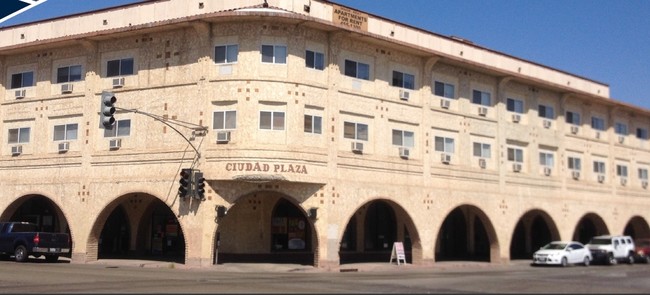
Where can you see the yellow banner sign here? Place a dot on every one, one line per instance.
(350, 18)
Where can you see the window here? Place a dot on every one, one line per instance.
(598, 123)
(119, 67)
(482, 150)
(572, 118)
(357, 70)
(19, 135)
(546, 159)
(599, 167)
(20, 80)
(68, 74)
(643, 174)
(226, 54)
(272, 120)
(65, 132)
(620, 128)
(276, 54)
(642, 133)
(121, 128)
(224, 120)
(403, 80)
(314, 60)
(444, 144)
(515, 105)
(621, 171)
(482, 98)
(403, 138)
(545, 111)
(356, 131)
(313, 124)
(574, 164)
(515, 155)
(444, 90)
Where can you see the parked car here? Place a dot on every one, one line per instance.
(612, 249)
(22, 239)
(562, 253)
(642, 250)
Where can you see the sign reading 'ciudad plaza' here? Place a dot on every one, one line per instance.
(265, 167)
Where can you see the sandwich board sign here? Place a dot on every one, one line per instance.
(398, 253)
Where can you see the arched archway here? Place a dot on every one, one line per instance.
(589, 226)
(39, 210)
(637, 228)
(533, 230)
(467, 234)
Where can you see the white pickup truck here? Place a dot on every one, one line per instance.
(612, 249)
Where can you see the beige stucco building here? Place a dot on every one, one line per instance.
(324, 134)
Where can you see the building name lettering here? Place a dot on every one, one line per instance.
(263, 167)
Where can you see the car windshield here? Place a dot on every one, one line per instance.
(600, 242)
(554, 246)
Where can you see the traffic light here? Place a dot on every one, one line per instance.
(185, 183)
(199, 186)
(106, 110)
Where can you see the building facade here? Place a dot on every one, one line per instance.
(324, 134)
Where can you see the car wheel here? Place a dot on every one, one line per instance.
(612, 260)
(20, 253)
(647, 259)
(630, 259)
(586, 261)
(564, 262)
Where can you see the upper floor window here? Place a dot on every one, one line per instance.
(643, 173)
(620, 128)
(120, 128)
(598, 123)
(226, 54)
(515, 155)
(444, 89)
(642, 133)
(68, 74)
(313, 124)
(65, 132)
(271, 120)
(545, 111)
(357, 70)
(515, 105)
(20, 80)
(444, 144)
(19, 135)
(546, 159)
(482, 150)
(599, 167)
(276, 54)
(403, 80)
(356, 131)
(119, 67)
(574, 163)
(224, 120)
(573, 118)
(314, 60)
(621, 170)
(481, 97)
(403, 138)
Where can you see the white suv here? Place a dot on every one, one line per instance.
(612, 249)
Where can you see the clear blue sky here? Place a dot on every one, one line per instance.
(603, 40)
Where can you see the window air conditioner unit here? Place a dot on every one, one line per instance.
(601, 178)
(482, 163)
(516, 167)
(64, 147)
(115, 143)
(445, 158)
(66, 88)
(223, 136)
(621, 139)
(623, 181)
(644, 183)
(444, 103)
(574, 129)
(575, 174)
(16, 150)
(21, 93)
(357, 147)
(404, 95)
(118, 82)
(516, 118)
(404, 152)
(547, 171)
(547, 124)
(482, 111)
